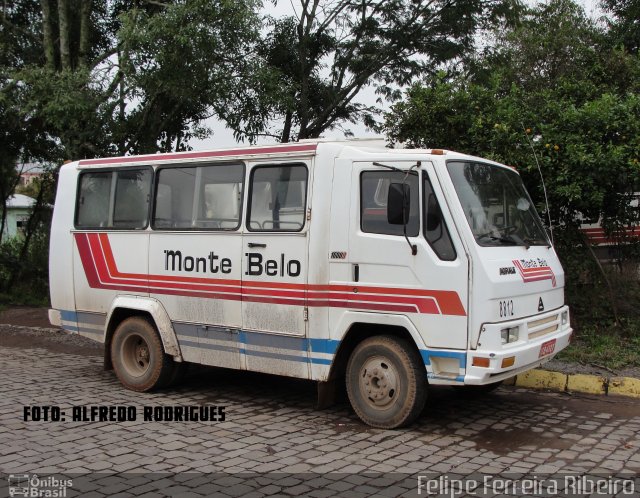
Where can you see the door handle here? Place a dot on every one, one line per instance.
(256, 244)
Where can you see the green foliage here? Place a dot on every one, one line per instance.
(319, 61)
(120, 77)
(552, 92)
(624, 24)
(33, 286)
(67, 106)
(181, 64)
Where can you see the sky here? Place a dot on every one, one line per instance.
(222, 137)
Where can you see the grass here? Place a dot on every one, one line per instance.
(597, 340)
(612, 347)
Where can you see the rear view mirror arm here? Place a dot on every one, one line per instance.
(414, 247)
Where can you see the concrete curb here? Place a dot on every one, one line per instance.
(591, 384)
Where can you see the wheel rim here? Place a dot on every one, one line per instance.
(379, 382)
(135, 355)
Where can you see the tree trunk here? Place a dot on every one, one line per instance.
(4, 217)
(286, 131)
(85, 32)
(47, 35)
(65, 26)
(122, 142)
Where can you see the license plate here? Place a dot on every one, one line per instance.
(547, 348)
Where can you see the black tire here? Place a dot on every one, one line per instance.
(138, 357)
(386, 382)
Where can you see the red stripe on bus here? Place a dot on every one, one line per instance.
(199, 155)
(101, 269)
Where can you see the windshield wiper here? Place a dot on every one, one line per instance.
(507, 239)
(536, 242)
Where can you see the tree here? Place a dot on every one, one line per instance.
(552, 92)
(566, 95)
(183, 66)
(87, 78)
(625, 24)
(322, 58)
(119, 77)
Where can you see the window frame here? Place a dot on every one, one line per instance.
(427, 178)
(112, 200)
(419, 224)
(250, 197)
(159, 168)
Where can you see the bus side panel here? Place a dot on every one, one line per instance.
(107, 265)
(320, 345)
(340, 268)
(61, 248)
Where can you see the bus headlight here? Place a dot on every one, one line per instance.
(509, 335)
(565, 317)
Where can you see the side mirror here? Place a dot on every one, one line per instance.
(398, 204)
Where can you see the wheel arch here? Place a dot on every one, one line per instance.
(124, 307)
(359, 331)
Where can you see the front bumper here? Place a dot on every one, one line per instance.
(502, 361)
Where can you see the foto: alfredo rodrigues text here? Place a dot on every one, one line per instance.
(123, 413)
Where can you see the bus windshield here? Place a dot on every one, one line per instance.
(496, 205)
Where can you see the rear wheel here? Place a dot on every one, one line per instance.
(386, 382)
(138, 358)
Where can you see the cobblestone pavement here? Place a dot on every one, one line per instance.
(273, 441)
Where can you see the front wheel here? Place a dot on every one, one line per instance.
(138, 358)
(386, 382)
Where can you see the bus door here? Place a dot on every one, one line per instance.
(274, 273)
(429, 286)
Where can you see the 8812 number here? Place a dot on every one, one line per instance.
(506, 308)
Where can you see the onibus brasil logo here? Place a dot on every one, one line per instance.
(38, 487)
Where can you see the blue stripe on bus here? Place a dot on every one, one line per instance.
(427, 353)
(69, 316)
(187, 332)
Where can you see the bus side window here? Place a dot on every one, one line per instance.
(131, 205)
(278, 198)
(164, 202)
(114, 199)
(220, 197)
(199, 197)
(93, 200)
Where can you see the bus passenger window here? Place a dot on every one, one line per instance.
(114, 199)
(278, 199)
(199, 198)
(93, 200)
(132, 198)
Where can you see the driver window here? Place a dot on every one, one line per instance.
(435, 228)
